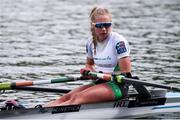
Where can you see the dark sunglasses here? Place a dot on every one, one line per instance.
(103, 24)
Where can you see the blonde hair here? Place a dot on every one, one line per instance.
(95, 12)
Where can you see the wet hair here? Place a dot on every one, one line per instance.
(95, 12)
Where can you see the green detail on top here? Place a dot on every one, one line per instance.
(119, 78)
(93, 74)
(59, 80)
(5, 86)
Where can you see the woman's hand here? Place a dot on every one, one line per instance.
(84, 73)
(86, 69)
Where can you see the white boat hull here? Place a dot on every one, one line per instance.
(108, 110)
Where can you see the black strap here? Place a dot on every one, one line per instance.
(142, 91)
(128, 75)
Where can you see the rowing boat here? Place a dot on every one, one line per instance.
(135, 105)
(129, 107)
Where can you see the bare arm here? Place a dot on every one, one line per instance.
(125, 65)
(90, 64)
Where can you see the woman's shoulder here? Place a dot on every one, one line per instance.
(121, 45)
(117, 37)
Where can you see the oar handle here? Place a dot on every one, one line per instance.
(103, 76)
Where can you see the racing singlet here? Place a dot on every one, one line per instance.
(114, 47)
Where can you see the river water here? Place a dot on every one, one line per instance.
(43, 39)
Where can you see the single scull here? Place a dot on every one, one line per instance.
(130, 107)
(136, 105)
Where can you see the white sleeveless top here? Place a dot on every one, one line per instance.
(108, 52)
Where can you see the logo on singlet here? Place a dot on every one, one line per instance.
(120, 47)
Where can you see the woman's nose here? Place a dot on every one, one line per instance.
(103, 28)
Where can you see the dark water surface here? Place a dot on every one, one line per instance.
(43, 39)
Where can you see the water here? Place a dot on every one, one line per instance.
(42, 39)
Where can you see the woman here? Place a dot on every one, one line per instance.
(107, 51)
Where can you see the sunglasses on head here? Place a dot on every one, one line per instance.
(103, 24)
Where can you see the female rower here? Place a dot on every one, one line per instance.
(107, 51)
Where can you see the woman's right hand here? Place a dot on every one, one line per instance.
(86, 69)
(84, 73)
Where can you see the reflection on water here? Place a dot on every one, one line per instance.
(42, 39)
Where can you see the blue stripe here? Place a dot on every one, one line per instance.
(165, 107)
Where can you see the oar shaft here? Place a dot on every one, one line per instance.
(122, 79)
(10, 85)
(42, 89)
(103, 76)
(138, 82)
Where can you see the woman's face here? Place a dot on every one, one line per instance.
(102, 27)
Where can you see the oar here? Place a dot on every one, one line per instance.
(122, 79)
(10, 85)
(42, 89)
